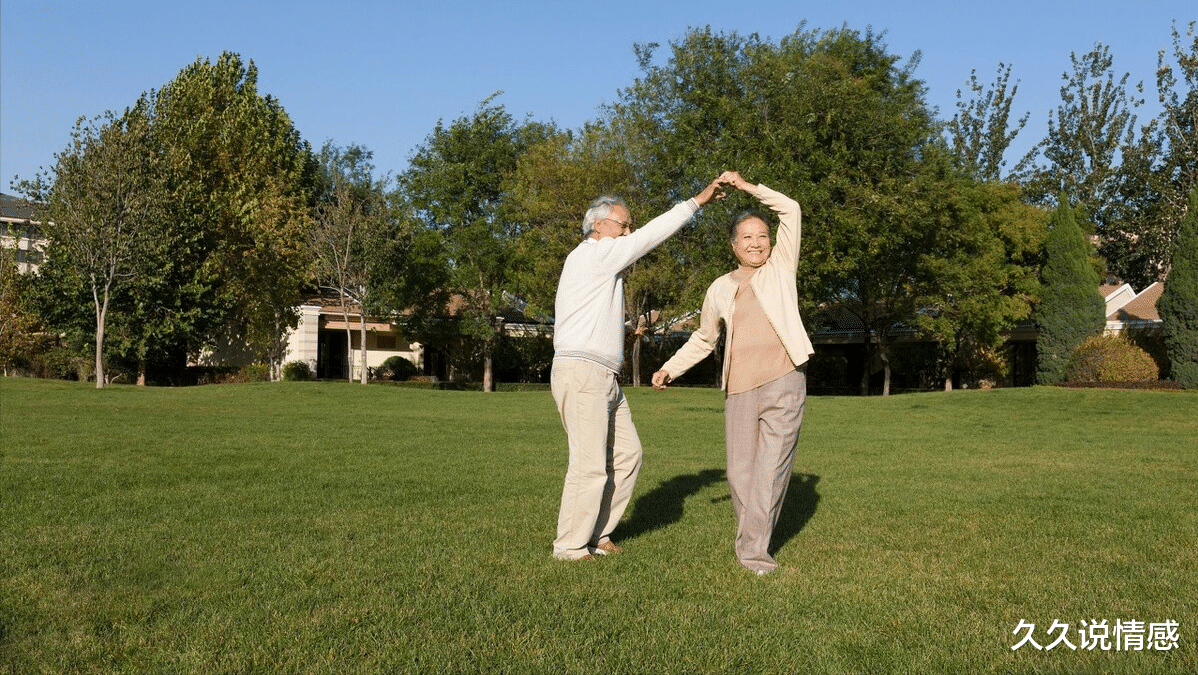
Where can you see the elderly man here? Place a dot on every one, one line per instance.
(588, 345)
(766, 348)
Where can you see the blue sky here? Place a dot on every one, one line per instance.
(381, 74)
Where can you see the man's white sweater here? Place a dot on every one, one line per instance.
(589, 310)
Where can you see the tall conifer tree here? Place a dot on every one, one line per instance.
(1071, 307)
(1178, 305)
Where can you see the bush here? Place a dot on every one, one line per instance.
(296, 371)
(256, 372)
(51, 360)
(1110, 358)
(396, 369)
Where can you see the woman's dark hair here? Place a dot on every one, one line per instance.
(742, 217)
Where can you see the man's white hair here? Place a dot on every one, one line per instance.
(598, 210)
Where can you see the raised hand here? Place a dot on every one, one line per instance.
(734, 179)
(713, 192)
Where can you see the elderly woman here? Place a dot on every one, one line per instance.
(765, 352)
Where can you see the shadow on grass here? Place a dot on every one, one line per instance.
(662, 506)
(797, 510)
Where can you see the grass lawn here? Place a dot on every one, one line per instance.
(335, 528)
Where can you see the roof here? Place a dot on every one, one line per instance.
(1116, 296)
(15, 208)
(1142, 307)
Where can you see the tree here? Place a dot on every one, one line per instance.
(348, 233)
(1178, 304)
(1157, 174)
(982, 274)
(1180, 115)
(980, 131)
(871, 187)
(831, 119)
(459, 183)
(104, 202)
(18, 322)
(241, 179)
(674, 129)
(1092, 130)
(1071, 309)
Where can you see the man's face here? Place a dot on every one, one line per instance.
(617, 223)
(751, 245)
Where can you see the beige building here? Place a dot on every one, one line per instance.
(19, 231)
(321, 341)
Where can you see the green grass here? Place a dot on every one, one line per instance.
(330, 528)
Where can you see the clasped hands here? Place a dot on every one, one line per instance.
(715, 191)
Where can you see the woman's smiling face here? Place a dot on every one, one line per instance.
(751, 245)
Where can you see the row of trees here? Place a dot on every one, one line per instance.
(201, 212)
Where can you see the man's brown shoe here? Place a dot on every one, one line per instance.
(608, 547)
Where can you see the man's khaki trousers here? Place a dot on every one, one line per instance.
(605, 455)
(761, 432)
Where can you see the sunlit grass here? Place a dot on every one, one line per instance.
(330, 528)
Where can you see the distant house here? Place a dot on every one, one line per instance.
(19, 231)
(1134, 316)
(321, 341)
(1129, 311)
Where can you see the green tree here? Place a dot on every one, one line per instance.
(349, 228)
(18, 321)
(676, 127)
(106, 201)
(828, 117)
(981, 275)
(1178, 304)
(980, 131)
(556, 180)
(871, 191)
(1071, 309)
(459, 182)
(241, 179)
(1158, 172)
(1090, 133)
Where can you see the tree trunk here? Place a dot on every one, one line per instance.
(488, 375)
(99, 353)
(636, 359)
(362, 370)
(101, 315)
(276, 350)
(349, 350)
(885, 371)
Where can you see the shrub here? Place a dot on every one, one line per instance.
(396, 369)
(1110, 358)
(296, 371)
(256, 372)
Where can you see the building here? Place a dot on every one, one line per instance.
(19, 231)
(321, 340)
(1128, 311)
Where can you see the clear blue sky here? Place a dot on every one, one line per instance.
(381, 74)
